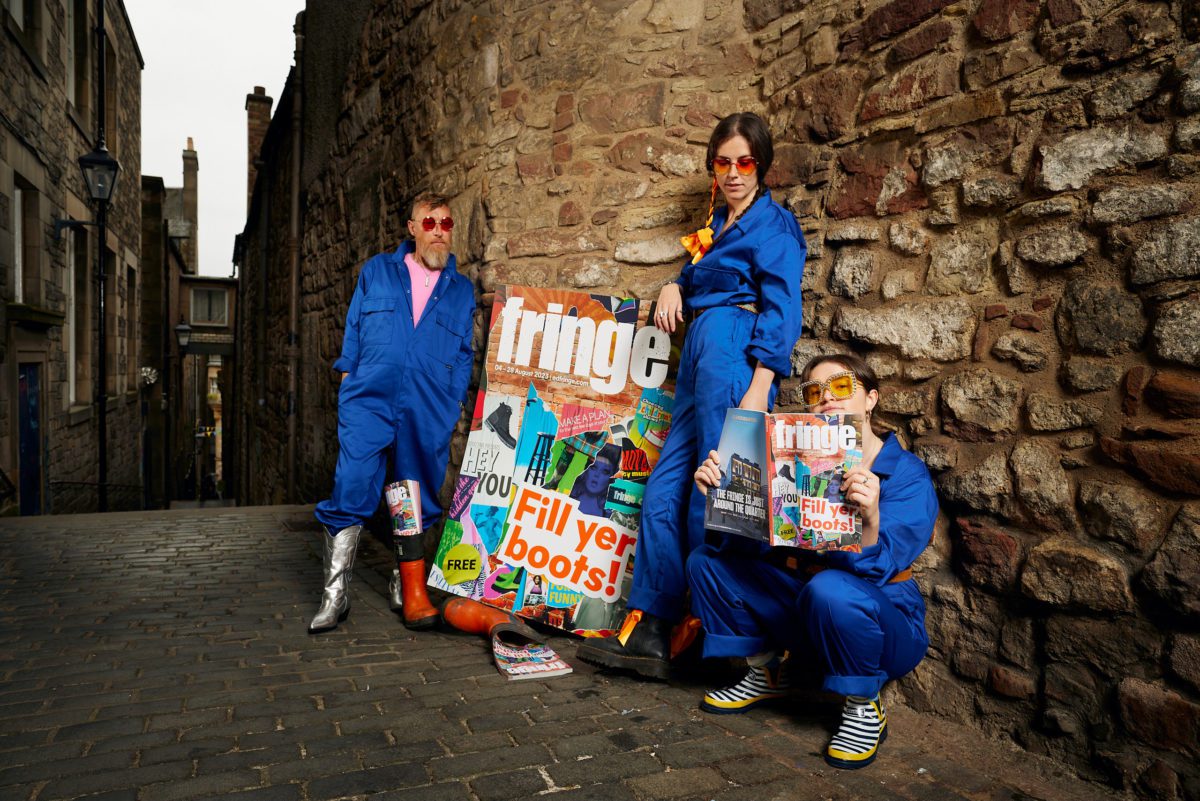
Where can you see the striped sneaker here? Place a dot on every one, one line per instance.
(864, 727)
(761, 683)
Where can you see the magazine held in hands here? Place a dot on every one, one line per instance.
(781, 479)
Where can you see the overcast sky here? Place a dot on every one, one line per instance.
(202, 59)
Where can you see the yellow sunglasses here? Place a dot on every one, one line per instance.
(840, 386)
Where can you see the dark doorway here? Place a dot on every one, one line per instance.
(30, 424)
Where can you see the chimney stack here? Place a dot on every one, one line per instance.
(191, 207)
(258, 118)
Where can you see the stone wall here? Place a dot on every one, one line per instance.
(999, 199)
(42, 135)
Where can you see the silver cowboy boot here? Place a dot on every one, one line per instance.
(339, 561)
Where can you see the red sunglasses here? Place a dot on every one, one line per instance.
(429, 223)
(745, 164)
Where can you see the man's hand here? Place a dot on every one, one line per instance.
(343, 378)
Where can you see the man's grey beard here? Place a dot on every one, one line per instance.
(434, 259)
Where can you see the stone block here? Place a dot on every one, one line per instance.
(658, 250)
(984, 487)
(1171, 574)
(1171, 464)
(996, 20)
(984, 68)
(1128, 515)
(569, 213)
(828, 102)
(941, 330)
(853, 232)
(898, 16)
(1184, 658)
(544, 242)
(1099, 318)
(979, 405)
(922, 41)
(667, 16)
(1012, 683)
(1064, 573)
(1028, 352)
(1048, 415)
(962, 110)
(852, 273)
(943, 202)
(905, 402)
(943, 165)
(1111, 647)
(988, 556)
(642, 152)
(641, 107)
(1172, 250)
(908, 239)
(989, 191)
(898, 283)
(937, 452)
(1174, 393)
(760, 13)
(1159, 717)
(1129, 204)
(878, 180)
(1052, 246)
(1126, 92)
(1071, 162)
(962, 262)
(912, 87)
(1042, 485)
(1174, 334)
(1087, 374)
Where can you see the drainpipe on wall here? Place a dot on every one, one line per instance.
(293, 350)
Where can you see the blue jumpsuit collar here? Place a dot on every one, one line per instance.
(755, 210)
(888, 457)
(439, 288)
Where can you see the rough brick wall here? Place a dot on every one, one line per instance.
(998, 197)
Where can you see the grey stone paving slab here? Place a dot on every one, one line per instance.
(163, 656)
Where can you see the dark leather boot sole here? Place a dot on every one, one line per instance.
(642, 665)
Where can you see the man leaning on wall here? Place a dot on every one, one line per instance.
(405, 364)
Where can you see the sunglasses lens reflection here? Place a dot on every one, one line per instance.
(429, 223)
(842, 387)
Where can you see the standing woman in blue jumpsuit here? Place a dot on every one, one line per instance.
(406, 363)
(858, 616)
(741, 294)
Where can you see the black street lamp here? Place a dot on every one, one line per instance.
(100, 173)
(183, 335)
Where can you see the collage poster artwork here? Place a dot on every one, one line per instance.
(574, 408)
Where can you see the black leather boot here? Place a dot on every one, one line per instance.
(642, 645)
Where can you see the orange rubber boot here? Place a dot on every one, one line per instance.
(474, 617)
(418, 611)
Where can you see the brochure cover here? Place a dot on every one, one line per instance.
(404, 504)
(802, 458)
(574, 409)
(518, 657)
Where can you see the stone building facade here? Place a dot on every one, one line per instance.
(999, 198)
(48, 295)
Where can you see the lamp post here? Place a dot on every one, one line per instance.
(100, 173)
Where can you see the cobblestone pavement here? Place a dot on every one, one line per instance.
(163, 655)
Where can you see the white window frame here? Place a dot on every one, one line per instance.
(69, 332)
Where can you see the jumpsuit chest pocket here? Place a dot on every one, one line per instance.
(715, 279)
(378, 317)
(443, 345)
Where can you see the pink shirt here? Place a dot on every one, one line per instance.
(418, 274)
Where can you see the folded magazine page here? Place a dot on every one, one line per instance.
(520, 656)
(404, 504)
(574, 408)
(781, 479)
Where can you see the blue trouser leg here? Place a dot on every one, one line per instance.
(364, 438)
(748, 607)
(714, 374)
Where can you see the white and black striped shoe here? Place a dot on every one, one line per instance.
(864, 727)
(761, 683)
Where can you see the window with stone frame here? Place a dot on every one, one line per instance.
(78, 55)
(76, 325)
(112, 311)
(111, 65)
(27, 272)
(209, 307)
(24, 20)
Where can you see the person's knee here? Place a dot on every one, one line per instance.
(825, 594)
(703, 568)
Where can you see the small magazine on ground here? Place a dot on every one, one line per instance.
(781, 479)
(404, 505)
(519, 656)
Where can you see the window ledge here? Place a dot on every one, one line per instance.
(79, 413)
(34, 317)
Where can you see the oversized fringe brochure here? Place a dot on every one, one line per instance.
(781, 479)
(404, 504)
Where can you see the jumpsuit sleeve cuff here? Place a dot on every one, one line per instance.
(781, 365)
(718, 645)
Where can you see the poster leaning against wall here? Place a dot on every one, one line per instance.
(574, 408)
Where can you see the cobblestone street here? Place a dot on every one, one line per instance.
(162, 656)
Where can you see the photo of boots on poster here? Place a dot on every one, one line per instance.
(572, 414)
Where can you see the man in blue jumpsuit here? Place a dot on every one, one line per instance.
(406, 363)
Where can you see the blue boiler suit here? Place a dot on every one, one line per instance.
(759, 260)
(404, 390)
(863, 629)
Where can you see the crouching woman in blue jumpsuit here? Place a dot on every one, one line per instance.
(859, 615)
(741, 294)
(406, 363)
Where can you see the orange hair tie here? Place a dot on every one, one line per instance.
(698, 243)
